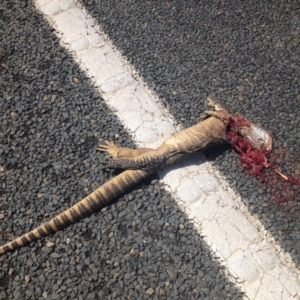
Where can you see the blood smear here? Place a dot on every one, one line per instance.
(257, 163)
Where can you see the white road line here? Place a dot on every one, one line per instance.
(253, 260)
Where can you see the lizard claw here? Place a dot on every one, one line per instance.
(206, 115)
(105, 147)
(110, 148)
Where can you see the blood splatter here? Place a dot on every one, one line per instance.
(291, 179)
(253, 160)
(260, 163)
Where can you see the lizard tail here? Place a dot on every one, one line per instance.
(90, 204)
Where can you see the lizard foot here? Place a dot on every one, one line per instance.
(111, 148)
(221, 115)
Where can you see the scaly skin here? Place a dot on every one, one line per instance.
(205, 134)
(140, 163)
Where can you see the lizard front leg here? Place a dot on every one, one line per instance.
(114, 151)
(221, 115)
(125, 158)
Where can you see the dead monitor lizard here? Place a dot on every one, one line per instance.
(140, 163)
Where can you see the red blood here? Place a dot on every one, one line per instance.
(257, 163)
(252, 159)
(291, 179)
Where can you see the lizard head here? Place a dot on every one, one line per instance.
(259, 138)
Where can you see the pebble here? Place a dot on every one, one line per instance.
(11, 271)
(50, 244)
(29, 211)
(150, 291)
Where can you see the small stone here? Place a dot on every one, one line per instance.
(75, 80)
(55, 255)
(17, 295)
(150, 291)
(11, 271)
(156, 187)
(160, 291)
(49, 244)
(133, 251)
(143, 254)
(1, 216)
(29, 211)
(27, 278)
(241, 88)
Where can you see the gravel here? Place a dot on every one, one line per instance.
(245, 52)
(141, 247)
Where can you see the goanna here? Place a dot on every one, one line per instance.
(140, 163)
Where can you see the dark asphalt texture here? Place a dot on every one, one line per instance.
(247, 53)
(141, 247)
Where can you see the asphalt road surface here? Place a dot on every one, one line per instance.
(52, 117)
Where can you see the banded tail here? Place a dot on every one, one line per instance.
(90, 204)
